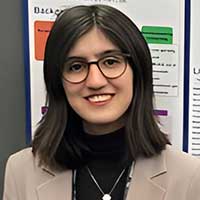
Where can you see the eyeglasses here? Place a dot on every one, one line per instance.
(76, 70)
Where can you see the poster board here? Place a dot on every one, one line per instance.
(154, 14)
(194, 81)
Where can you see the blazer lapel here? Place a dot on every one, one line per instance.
(59, 186)
(149, 179)
(148, 182)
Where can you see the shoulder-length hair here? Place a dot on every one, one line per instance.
(55, 140)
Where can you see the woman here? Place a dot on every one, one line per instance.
(99, 138)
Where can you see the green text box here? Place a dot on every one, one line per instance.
(158, 34)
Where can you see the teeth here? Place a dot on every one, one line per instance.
(98, 98)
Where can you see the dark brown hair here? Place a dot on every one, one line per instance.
(55, 138)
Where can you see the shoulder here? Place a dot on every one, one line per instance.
(25, 159)
(175, 172)
(24, 177)
(175, 162)
(171, 162)
(182, 161)
(183, 169)
(22, 159)
(22, 155)
(21, 163)
(19, 166)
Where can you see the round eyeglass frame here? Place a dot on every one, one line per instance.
(125, 57)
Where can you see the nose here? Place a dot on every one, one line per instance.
(95, 78)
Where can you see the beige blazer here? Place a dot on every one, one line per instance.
(170, 176)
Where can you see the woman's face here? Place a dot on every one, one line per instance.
(99, 101)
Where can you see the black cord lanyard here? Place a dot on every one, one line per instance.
(128, 181)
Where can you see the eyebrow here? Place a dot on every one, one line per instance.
(98, 55)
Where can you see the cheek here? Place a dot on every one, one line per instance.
(71, 92)
(128, 96)
(128, 81)
(124, 88)
(128, 85)
(67, 90)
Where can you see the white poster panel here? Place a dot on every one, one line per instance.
(165, 69)
(194, 94)
(168, 86)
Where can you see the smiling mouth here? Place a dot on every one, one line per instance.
(99, 98)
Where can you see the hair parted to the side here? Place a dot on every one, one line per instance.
(55, 138)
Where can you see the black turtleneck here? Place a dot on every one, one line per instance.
(108, 157)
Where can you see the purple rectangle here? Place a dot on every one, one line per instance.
(161, 112)
(44, 109)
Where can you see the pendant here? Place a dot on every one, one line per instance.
(106, 197)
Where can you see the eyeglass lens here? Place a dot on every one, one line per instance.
(112, 66)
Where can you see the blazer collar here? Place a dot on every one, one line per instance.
(149, 179)
(54, 184)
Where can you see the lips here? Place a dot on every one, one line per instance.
(99, 98)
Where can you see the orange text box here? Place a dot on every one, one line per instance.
(41, 29)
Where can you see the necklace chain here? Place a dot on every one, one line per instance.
(105, 195)
(129, 178)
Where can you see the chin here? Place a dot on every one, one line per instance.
(104, 120)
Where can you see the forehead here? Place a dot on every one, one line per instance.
(92, 44)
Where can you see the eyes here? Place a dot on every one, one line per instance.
(110, 62)
(76, 66)
(76, 69)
